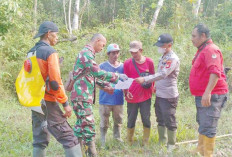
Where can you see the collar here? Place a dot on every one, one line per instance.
(208, 41)
(115, 66)
(41, 42)
(140, 59)
(168, 53)
(90, 48)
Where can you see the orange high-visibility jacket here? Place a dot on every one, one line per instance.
(48, 61)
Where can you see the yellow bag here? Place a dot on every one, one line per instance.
(30, 84)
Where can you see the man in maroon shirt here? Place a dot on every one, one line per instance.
(137, 96)
(207, 83)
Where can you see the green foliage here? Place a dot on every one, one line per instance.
(222, 26)
(8, 10)
(121, 23)
(11, 11)
(16, 133)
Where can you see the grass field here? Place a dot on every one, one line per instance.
(16, 134)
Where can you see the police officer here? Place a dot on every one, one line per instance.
(166, 90)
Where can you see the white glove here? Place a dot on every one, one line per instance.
(123, 77)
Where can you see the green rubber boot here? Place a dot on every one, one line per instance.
(39, 152)
(162, 131)
(74, 151)
(117, 133)
(171, 140)
(103, 136)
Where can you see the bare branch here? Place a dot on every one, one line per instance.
(73, 38)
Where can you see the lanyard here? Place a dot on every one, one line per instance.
(200, 49)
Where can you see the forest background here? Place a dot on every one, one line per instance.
(121, 21)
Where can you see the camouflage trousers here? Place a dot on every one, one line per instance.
(84, 127)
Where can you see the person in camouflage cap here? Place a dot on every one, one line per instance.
(83, 93)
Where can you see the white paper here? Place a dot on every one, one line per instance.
(125, 84)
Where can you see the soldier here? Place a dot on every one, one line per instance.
(54, 119)
(166, 90)
(112, 102)
(83, 93)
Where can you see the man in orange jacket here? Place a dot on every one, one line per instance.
(53, 119)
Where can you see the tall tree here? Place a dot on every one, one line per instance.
(69, 17)
(113, 10)
(104, 11)
(196, 7)
(65, 16)
(155, 16)
(76, 15)
(141, 13)
(86, 4)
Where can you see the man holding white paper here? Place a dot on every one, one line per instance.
(138, 96)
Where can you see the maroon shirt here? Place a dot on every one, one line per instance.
(208, 60)
(139, 93)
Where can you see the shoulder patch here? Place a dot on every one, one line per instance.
(214, 56)
(168, 64)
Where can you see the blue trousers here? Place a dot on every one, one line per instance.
(207, 117)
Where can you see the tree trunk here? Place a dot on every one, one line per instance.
(88, 6)
(207, 4)
(215, 6)
(65, 16)
(113, 10)
(104, 11)
(196, 7)
(141, 13)
(82, 12)
(35, 15)
(75, 23)
(69, 17)
(155, 16)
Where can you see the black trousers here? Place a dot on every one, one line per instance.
(165, 110)
(207, 117)
(145, 111)
(52, 122)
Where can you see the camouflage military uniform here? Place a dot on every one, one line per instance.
(82, 95)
